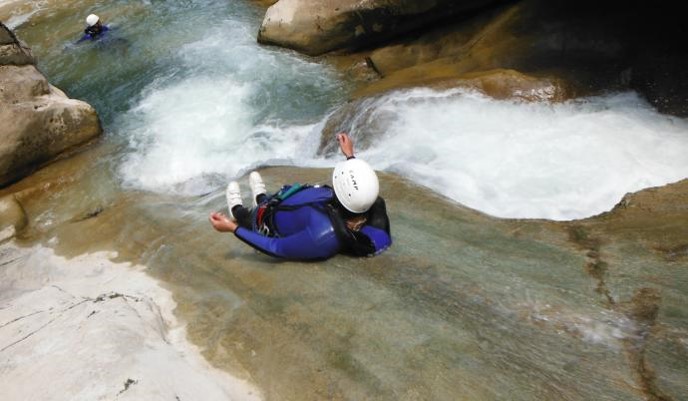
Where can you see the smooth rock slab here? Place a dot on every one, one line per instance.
(91, 329)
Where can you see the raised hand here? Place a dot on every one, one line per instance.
(345, 144)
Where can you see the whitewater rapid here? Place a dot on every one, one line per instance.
(237, 105)
(229, 105)
(527, 160)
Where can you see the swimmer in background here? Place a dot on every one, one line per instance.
(95, 28)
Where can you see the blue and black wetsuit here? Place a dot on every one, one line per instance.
(94, 33)
(311, 225)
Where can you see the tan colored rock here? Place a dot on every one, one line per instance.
(12, 50)
(34, 132)
(21, 83)
(37, 121)
(453, 55)
(12, 217)
(510, 84)
(318, 26)
(498, 83)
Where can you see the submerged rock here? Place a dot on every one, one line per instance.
(316, 27)
(37, 120)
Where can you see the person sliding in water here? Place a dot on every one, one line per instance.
(94, 28)
(312, 222)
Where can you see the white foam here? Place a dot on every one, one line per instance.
(233, 105)
(80, 329)
(219, 117)
(528, 160)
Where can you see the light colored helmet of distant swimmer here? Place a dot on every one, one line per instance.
(92, 20)
(356, 185)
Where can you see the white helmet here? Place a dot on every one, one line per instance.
(92, 20)
(356, 185)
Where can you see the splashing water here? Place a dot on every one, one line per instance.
(245, 106)
(237, 105)
(526, 160)
(197, 104)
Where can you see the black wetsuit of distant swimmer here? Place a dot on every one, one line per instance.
(94, 32)
(310, 224)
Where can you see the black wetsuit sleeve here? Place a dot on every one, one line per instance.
(357, 243)
(377, 216)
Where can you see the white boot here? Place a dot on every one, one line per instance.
(257, 186)
(233, 196)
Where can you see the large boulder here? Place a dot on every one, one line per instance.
(318, 26)
(37, 121)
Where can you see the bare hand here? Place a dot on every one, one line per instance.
(345, 144)
(222, 223)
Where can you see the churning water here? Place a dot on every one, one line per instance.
(196, 103)
(536, 160)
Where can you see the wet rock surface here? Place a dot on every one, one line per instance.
(590, 46)
(570, 310)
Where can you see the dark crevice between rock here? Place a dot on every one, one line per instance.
(673, 254)
(369, 62)
(89, 215)
(642, 309)
(11, 261)
(10, 33)
(595, 267)
(113, 295)
(127, 384)
(43, 326)
(20, 318)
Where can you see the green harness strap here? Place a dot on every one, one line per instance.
(291, 191)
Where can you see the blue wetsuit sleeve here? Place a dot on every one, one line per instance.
(380, 239)
(299, 246)
(376, 229)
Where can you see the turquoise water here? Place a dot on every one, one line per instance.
(184, 87)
